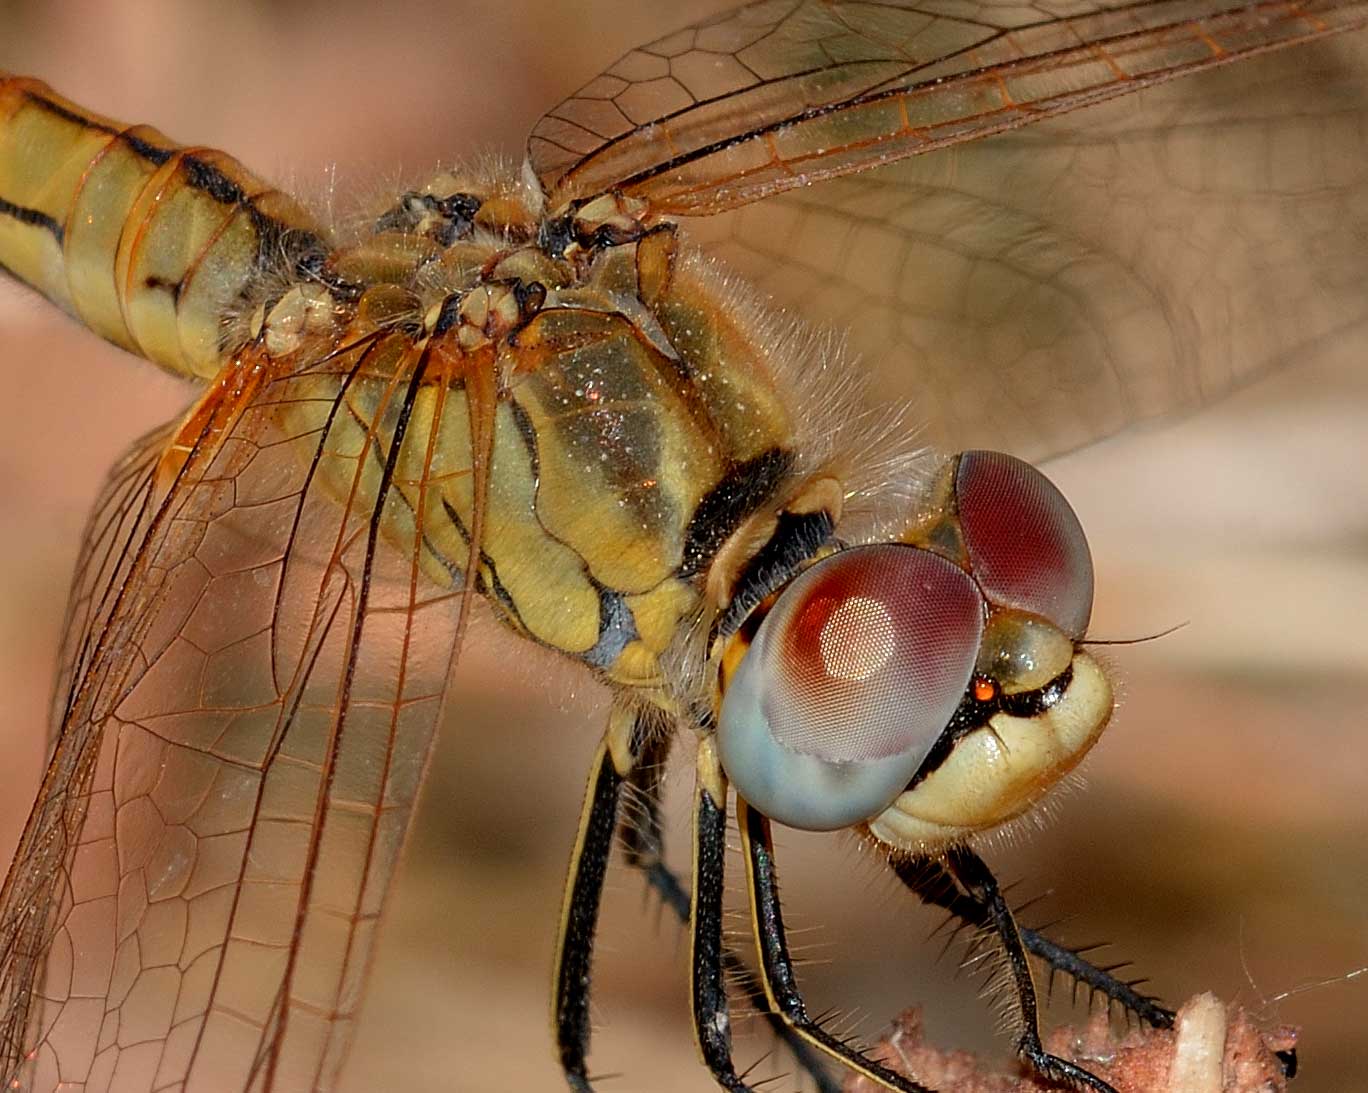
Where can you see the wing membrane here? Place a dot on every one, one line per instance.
(775, 95)
(117, 526)
(259, 669)
(1049, 287)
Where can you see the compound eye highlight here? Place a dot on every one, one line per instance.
(850, 680)
(1025, 544)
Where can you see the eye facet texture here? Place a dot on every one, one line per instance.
(862, 661)
(1026, 546)
(850, 680)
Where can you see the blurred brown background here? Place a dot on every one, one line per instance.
(1221, 842)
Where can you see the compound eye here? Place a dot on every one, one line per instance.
(850, 680)
(1026, 546)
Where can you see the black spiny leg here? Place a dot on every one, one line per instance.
(928, 878)
(973, 873)
(707, 986)
(933, 885)
(777, 966)
(643, 843)
(579, 916)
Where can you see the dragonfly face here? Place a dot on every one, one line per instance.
(929, 687)
(183, 129)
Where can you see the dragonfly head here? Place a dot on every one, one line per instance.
(927, 688)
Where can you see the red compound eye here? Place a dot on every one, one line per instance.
(851, 679)
(1026, 546)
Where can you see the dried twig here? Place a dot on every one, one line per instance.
(1213, 1048)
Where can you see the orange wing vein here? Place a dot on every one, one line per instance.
(1049, 287)
(774, 95)
(255, 669)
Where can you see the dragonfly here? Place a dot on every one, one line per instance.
(277, 323)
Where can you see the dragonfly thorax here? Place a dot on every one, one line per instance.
(599, 424)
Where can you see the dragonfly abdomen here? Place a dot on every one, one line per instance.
(152, 245)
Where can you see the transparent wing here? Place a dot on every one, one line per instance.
(781, 93)
(116, 528)
(1046, 288)
(261, 662)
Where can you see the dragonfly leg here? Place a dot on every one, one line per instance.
(711, 1019)
(643, 843)
(973, 873)
(628, 753)
(928, 878)
(583, 894)
(707, 989)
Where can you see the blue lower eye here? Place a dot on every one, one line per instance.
(851, 679)
(794, 789)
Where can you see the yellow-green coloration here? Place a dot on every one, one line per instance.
(147, 243)
(621, 392)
